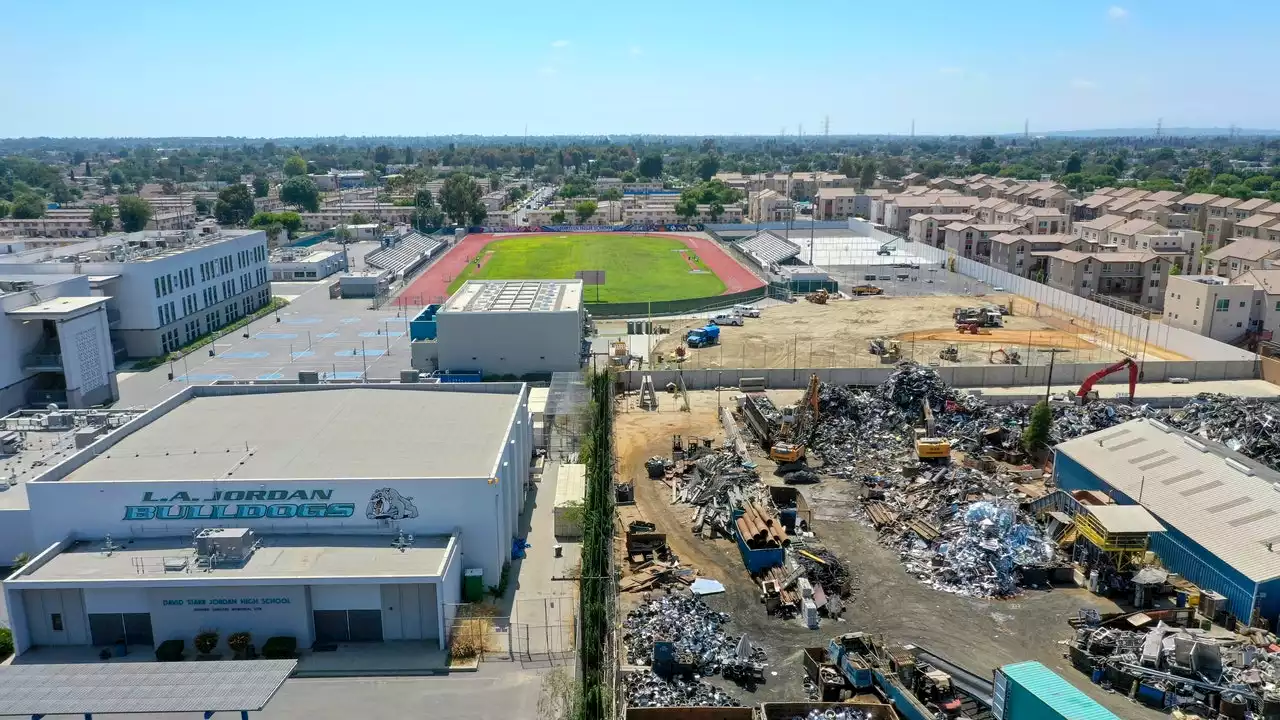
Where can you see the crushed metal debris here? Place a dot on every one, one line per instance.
(1175, 665)
(643, 688)
(684, 620)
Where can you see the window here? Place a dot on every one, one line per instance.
(1241, 303)
(1222, 305)
(1155, 283)
(55, 620)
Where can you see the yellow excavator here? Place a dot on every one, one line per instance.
(797, 431)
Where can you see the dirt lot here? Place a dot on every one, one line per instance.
(978, 634)
(806, 335)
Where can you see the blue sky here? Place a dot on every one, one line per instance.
(284, 68)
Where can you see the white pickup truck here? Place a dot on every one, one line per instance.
(750, 311)
(726, 320)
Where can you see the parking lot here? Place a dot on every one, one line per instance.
(341, 339)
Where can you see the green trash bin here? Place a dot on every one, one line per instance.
(472, 585)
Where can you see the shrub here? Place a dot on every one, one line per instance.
(206, 642)
(280, 648)
(170, 651)
(239, 642)
(6, 643)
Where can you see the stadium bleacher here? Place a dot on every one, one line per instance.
(766, 249)
(408, 254)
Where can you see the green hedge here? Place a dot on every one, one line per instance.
(675, 307)
(154, 362)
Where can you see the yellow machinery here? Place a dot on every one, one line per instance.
(928, 448)
(867, 289)
(819, 298)
(796, 433)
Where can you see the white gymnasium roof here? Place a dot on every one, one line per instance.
(326, 432)
(1223, 501)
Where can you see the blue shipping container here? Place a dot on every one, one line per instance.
(1031, 691)
(756, 560)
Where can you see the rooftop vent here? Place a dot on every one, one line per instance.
(1239, 466)
(1197, 445)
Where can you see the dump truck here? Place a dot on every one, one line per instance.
(703, 336)
(866, 289)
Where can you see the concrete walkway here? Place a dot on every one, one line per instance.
(544, 603)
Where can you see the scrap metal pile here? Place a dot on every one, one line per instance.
(1197, 668)
(979, 553)
(684, 620)
(1248, 426)
(719, 484)
(833, 713)
(956, 526)
(643, 688)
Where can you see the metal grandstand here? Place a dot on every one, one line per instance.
(766, 249)
(406, 255)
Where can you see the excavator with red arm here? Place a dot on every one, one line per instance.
(1086, 391)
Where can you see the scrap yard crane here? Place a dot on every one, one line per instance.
(1086, 391)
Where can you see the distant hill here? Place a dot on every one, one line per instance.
(1148, 131)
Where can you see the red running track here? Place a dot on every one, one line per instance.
(433, 285)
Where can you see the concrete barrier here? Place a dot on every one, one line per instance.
(971, 376)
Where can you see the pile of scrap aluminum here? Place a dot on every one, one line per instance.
(686, 621)
(645, 689)
(978, 552)
(1248, 426)
(719, 485)
(1186, 663)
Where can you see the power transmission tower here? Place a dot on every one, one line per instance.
(1026, 129)
(800, 130)
(1159, 127)
(826, 126)
(913, 127)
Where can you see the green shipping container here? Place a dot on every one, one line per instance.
(472, 585)
(1031, 691)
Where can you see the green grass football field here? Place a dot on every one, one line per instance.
(637, 268)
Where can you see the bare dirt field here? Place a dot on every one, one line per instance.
(806, 335)
(978, 634)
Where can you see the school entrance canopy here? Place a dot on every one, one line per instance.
(85, 689)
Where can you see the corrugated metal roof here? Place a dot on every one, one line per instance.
(140, 687)
(1223, 501)
(1056, 692)
(1125, 518)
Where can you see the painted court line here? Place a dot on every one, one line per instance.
(244, 354)
(275, 336)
